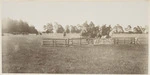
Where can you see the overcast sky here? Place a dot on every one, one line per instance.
(73, 13)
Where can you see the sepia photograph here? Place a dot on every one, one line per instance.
(74, 37)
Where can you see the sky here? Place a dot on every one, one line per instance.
(72, 13)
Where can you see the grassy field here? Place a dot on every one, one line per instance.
(24, 54)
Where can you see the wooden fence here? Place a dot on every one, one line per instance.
(66, 41)
(130, 40)
(124, 40)
(86, 41)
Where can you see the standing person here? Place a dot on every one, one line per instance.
(64, 34)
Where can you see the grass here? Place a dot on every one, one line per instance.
(24, 54)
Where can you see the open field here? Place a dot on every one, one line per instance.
(25, 54)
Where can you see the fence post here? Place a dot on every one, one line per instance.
(88, 40)
(68, 41)
(92, 40)
(124, 40)
(80, 40)
(134, 41)
(65, 42)
(114, 41)
(72, 41)
(117, 41)
(53, 42)
(42, 42)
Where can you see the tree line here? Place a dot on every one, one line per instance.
(86, 29)
(17, 27)
(92, 30)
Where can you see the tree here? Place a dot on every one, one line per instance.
(129, 29)
(146, 29)
(67, 30)
(92, 30)
(25, 27)
(118, 29)
(48, 27)
(15, 26)
(135, 30)
(72, 29)
(139, 29)
(85, 24)
(33, 30)
(108, 29)
(79, 27)
(104, 30)
(142, 29)
(58, 28)
(85, 28)
(76, 29)
(91, 25)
